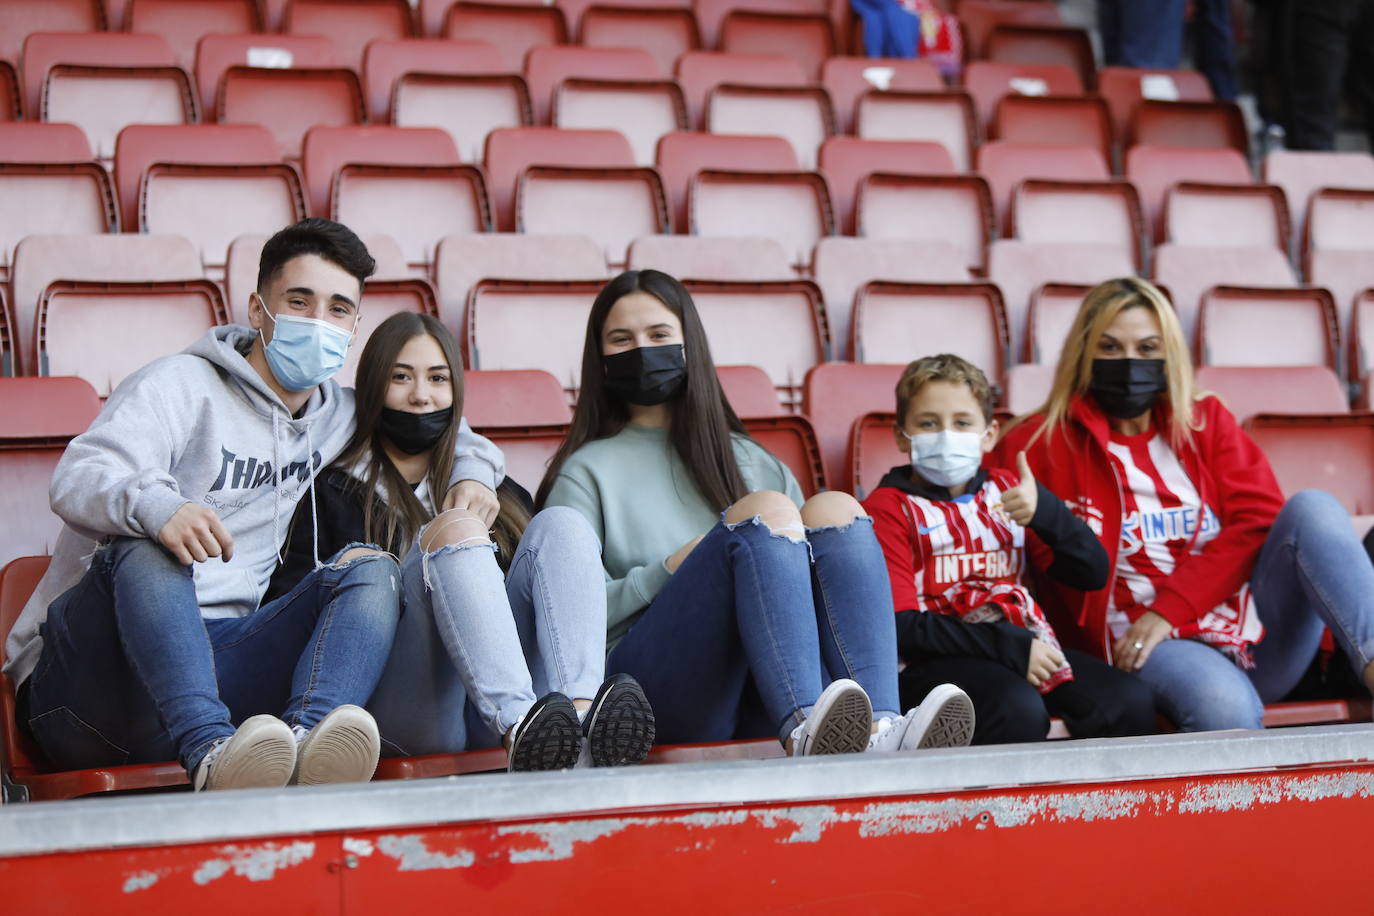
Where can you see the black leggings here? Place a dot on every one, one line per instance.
(1100, 702)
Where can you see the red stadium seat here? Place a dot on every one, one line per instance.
(215, 54)
(1339, 243)
(708, 258)
(1251, 390)
(750, 391)
(807, 38)
(43, 259)
(1054, 121)
(872, 451)
(980, 17)
(514, 397)
(513, 28)
(899, 322)
(469, 107)
(527, 451)
(682, 155)
(547, 67)
(1302, 173)
(501, 313)
(800, 114)
(1345, 272)
(1188, 271)
(509, 151)
(941, 117)
(350, 24)
(711, 14)
(842, 266)
(54, 198)
(666, 34)
(928, 208)
(1079, 213)
(9, 359)
(463, 260)
(1249, 216)
(791, 207)
(988, 82)
(627, 203)
(846, 161)
(21, 18)
(698, 72)
(245, 254)
(792, 441)
(1193, 125)
(644, 111)
(1341, 443)
(1125, 87)
(289, 102)
(387, 60)
(328, 149)
(36, 141)
(1006, 165)
(417, 205)
(1043, 44)
(1154, 170)
(847, 78)
(837, 394)
(1049, 317)
(11, 102)
(1362, 347)
(184, 22)
(1248, 326)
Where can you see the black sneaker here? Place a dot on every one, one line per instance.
(620, 723)
(549, 736)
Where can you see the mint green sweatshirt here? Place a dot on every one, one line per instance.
(644, 505)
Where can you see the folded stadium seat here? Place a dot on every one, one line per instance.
(847, 78)
(41, 260)
(698, 257)
(386, 61)
(834, 396)
(101, 82)
(941, 117)
(1019, 268)
(1338, 245)
(928, 208)
(1054, 121)
(509, 151)
(381, 300)
(899, 322)
(711, 14)
(1188, 271)
(1362, 348)
(501, 313)
(467, 105)
(525, 412)
(1043, 44)
(613, 206)
(791, 207)
(1049, 316)
(699, 72)
(1006, 164)
(462, 260)
(792, 440)
(872, 452)
(547, 67)
(681, 155)
(988, 81)
(350, 24)
(38, 141)
(1079, 212)
(289, 102)
(21, 18)
(800, 114)
(417, 205)
(1253, 216)
(245, 253)
(1254, 326)
(1250, 390)
(327, 149)
(1125, 87)
(807, 38)
(215, 54)
(1193, 125)
(512, 27)
(846, 161)
(1302, 173)
(750, 391)
(184, 22)
(979, 17)
(11, 106)
(1345, 443)
(842, 266)
(1154, 169)
(53, 198)
(665, 34)
(1028, 387)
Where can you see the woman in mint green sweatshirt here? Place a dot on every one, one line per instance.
(739, 608)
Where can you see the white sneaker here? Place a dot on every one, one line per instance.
(259, 755)
(839, 723)
(343, 747)
(887, 738)
(944, 719)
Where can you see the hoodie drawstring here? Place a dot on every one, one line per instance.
(314, 512)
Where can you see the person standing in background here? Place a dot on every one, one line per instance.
(1137, 33)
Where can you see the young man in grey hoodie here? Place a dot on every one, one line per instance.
(145, 638)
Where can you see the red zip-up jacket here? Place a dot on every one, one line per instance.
(1231, 475)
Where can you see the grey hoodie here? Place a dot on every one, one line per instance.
(201, 426)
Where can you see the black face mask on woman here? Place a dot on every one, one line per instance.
(414, 433)
(1127, 388)
(646, 375)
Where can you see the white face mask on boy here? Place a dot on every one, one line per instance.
(946, 458)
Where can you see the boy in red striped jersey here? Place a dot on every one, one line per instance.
(958, 540)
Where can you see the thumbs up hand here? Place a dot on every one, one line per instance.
(1019, 502)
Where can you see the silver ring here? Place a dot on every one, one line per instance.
(1139, 646)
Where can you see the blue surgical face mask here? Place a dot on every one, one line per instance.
(304, 352)
(947, 458)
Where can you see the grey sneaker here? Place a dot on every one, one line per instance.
(944, 719)
(342, 747)
(839, 723)
(259, 755)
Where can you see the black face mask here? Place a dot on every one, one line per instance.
(414, 433)
(1127, 388)
(646, 375)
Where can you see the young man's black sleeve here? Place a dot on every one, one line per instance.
(1080, 560)
(925, 635)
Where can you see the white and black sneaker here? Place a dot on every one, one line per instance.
(619, 725)
(945, 718)
(839, 723)
(342, 747)
(548, 737)
(259, 755)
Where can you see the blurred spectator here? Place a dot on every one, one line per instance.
(1149, 33)
(1328, 42)
(1214, 46)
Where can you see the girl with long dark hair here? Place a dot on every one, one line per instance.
(741, 609)
(488, 622)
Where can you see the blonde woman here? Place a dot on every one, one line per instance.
(1219, 590)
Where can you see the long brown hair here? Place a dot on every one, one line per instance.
(702, 420)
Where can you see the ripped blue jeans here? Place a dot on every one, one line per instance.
(474, 649)
(751, 606)
(131, 673)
